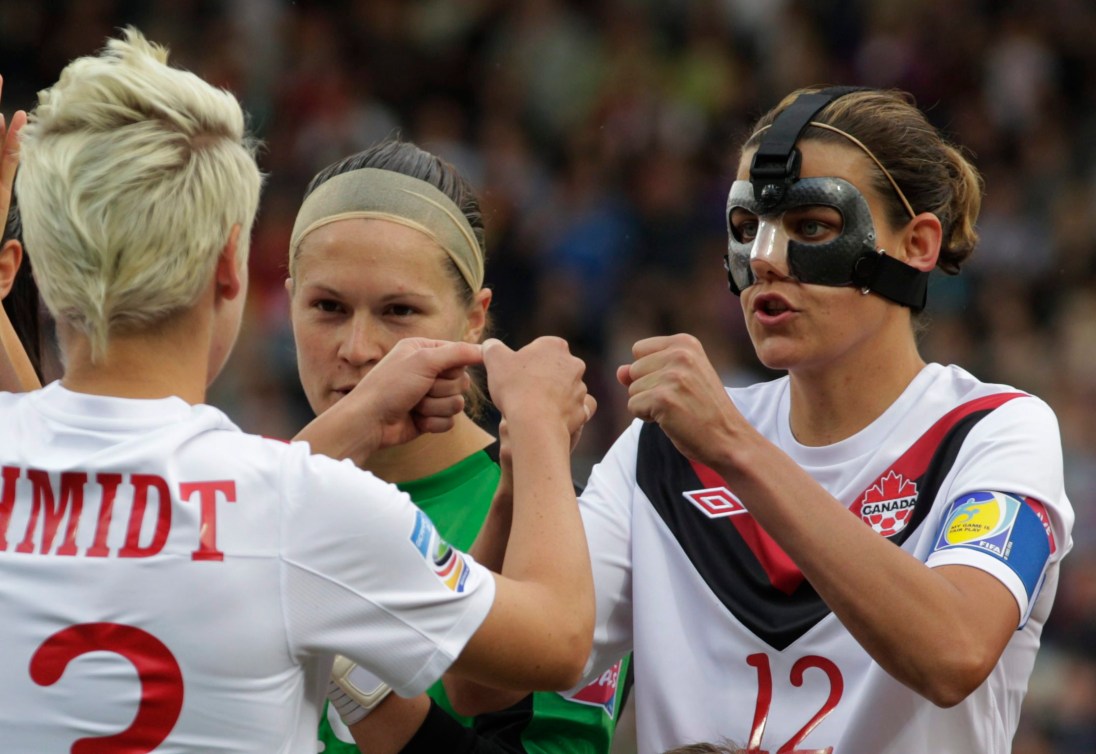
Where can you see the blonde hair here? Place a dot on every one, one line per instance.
(132, 174)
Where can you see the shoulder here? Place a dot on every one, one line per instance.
(1007, 406)
(953, 389)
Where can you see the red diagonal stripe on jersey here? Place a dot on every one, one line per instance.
(782, 572)
(779, 567)
(913, 463)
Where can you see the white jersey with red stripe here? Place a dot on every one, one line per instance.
(732, 643)
(171, 584)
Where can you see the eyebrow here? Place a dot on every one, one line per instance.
(327, 290)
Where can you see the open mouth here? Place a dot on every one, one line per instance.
(771, 306)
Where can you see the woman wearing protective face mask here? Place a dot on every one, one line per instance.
(389, 244)
(858, 557)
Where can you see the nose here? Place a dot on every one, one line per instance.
(769, 255)
(359, 344)
(768, 269)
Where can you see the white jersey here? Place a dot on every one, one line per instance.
(732, 643)
(171, 584)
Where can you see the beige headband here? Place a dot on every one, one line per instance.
(372, 193)
(864, 148)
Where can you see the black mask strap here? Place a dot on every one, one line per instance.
(892, 279)
(776, 162)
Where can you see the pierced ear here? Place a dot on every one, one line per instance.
(923, 237)
(477, 315)
(230, 277)
(11, 257)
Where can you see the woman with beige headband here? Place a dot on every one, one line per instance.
(858, 557)
(389, 244)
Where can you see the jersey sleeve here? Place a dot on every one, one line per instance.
(606, 507)
(367, 575)
(1006, 509)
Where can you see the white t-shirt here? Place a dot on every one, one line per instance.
(180, 586)
(731, 642)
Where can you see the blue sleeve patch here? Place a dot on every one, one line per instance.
(1003, 526)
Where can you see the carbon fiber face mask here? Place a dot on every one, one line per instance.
(832, 262)
(775, 187)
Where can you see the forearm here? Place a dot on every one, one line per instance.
(342, 432)
(540, 628)
(547, 543)
(16, 371)
(489, 549)
(392, 725)
(918, 623)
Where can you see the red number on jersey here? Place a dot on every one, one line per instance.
(760, 662)
(161, 681)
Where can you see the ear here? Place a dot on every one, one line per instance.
(231, 278)
(922, 240)
(477, 316)
(11, 257)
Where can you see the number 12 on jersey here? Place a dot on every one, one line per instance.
(760, 663)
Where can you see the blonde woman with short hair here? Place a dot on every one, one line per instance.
(169, 582)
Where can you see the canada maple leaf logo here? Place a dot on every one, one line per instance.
(888, 504)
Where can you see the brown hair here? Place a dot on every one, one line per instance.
(932, 172)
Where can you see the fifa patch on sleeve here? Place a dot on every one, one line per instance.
(447, 563)
(1002, 525)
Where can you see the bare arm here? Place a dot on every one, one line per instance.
(941, 634)
(539, 631)
(468, 697)
(389, 727)
(16, 372)
(417, 387)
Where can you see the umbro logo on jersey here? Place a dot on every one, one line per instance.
(888, 504)
(715, 502)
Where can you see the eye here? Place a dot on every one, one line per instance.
(815, 224)
(327, 306)
(811, 229)
(743, 225)
(400, 310)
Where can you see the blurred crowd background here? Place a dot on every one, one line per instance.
(602, 138)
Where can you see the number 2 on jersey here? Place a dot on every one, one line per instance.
(159, 673)
(760, 662)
